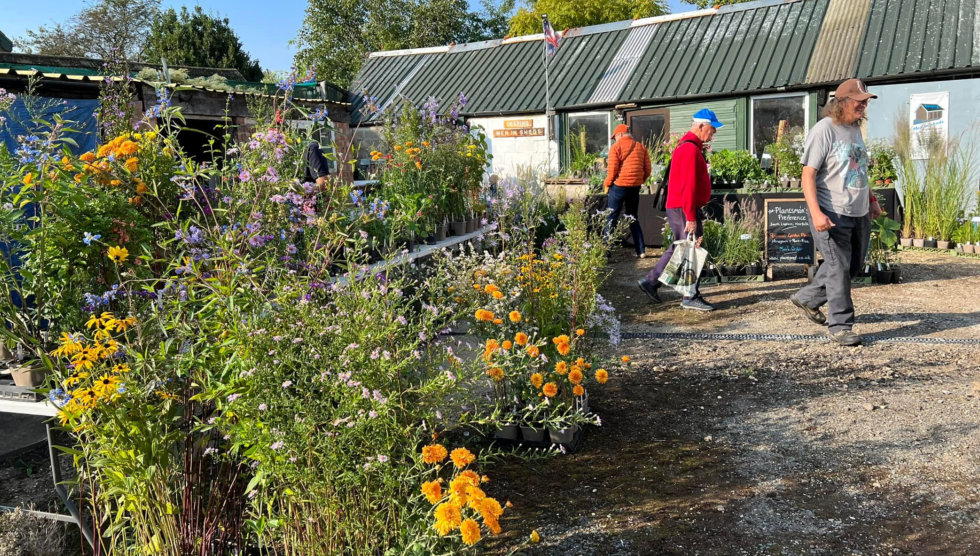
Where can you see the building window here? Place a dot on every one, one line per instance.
(366, 139)
(776, 115)
(649, 127)
(588, 133)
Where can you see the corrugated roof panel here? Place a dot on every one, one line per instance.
(622, 65)
(915, 36)
(757, 45)
(835, 54)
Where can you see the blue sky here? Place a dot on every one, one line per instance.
(265, 28)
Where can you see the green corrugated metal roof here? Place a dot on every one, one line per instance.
(914, 36)
(738, 49)
(734, 50)
(753, 46)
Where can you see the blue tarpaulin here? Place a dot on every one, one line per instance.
(80, 113)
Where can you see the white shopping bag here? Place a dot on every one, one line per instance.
(684, 267)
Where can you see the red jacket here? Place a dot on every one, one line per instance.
(633, 170)
(689, 186)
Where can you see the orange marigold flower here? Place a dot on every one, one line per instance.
(626, 359)
(496, 373)
(578, 390)
(470, 531)
(575, 377)
(601, 376)
(498, 321)
(88, 157)
(483, 315)
(564, 348)
(418, 164)
(131, 164)
(507, 344)
(533, 351)
(580, 332)
(432, 491)
(537, 380)
(490, 288)
(433, 453)
(563, 339)
(561, 367)
(490, 508)
(493, 525)
(498, 295)
(550, 389)
(520, 339)
(462, 457)
(448, 517)
(514, 316)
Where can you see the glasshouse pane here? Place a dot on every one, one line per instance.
(589, 133)
(767, 113)
(366, 139)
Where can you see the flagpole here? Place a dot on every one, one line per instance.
(547, 95)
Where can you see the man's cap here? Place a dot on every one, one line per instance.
(621, 128)
(853, 88)
(705, 116)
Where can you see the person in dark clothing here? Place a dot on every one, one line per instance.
(628, 169)
(688, 189)
(317, 166)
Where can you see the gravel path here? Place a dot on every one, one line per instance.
(799, 447)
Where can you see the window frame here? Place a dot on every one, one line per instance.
(607, 114)
(664, 111)
(805, 99)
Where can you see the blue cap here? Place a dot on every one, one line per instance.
(707, 116)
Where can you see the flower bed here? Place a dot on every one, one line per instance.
(214, 334)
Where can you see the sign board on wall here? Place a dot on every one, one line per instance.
(928, 114)
(788, 237)
(527, 132)
(518, 124)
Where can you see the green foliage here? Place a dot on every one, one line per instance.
(198, 39)
(884, 237)
(735, 167)
(714, 239)
(337, 35)
(565, 14)
(936, 192)
(881, 166)
(582, 163)
(786, 156)
(107, 29)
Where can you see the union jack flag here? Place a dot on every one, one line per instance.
(552, 39)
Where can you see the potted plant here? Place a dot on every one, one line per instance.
(884, 236)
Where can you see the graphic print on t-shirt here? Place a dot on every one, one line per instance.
(857, 163)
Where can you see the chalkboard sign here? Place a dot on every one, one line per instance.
(788, 237)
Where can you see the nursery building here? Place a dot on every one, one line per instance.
(765, 67)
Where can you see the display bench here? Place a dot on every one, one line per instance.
(45, 408)
(741, 201)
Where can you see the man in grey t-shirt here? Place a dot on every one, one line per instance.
(841, 207)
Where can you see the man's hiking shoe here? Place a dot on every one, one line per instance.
(813, 314)
(697, 304)
(845, 338)
(650, 290)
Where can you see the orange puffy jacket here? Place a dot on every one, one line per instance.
(633, 169)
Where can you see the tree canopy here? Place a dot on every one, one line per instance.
(579, 13)
(337, 35)
(107, 29)
(198, 39)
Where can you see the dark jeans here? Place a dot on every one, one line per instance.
(625, 199)
(676, 220)
(843, 248)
